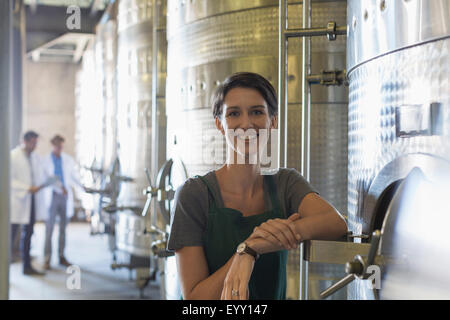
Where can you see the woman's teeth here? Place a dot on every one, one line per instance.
(246, 137)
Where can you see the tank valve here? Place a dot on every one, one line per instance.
(356, 268)
(159, 249)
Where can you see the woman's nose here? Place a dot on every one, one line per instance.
(245, 122)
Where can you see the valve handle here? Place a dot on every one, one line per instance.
(337, 286)
(355, 268)
(147, 173)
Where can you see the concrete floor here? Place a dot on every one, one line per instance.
(91, 254)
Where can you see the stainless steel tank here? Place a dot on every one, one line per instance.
(135, 76)
(88, 126)
(210, 40)
(105, 66)
(399, 125)
(106, 62)
(134, 84)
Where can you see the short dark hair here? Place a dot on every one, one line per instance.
(57, 139)
(245, 80)
(30, 135)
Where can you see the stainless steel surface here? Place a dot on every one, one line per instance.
(172, 287)
(337, 252)
(134, 87)
(98, 4)
(398, 69)
(159, 69)
(5, 105)
(205, 45)
(135, 133)
(414, 247)
(132, 235)
(379, 27)
(88, 126)
(18, 93)
(282, 80)
(106, 61)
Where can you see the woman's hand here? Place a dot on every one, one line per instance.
(235, 286)
(279, 232)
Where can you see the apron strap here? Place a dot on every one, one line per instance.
(210, 189)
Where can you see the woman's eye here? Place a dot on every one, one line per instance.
(233, 114)
(258, 112)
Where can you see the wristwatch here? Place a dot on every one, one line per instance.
(244, 248)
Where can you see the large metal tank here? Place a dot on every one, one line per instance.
(210, 40)
(135, 76)
(105, 65)
(399, 125)
(106, 62)
(88, 126)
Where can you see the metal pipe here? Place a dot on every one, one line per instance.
(282, 88)
(306, 122)
(306, 91)
(155, 127)
(312, 32)
(5, 105)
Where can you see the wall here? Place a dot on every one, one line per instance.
(49, 106)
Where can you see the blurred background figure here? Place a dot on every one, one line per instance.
(59, 198)
(25, 177)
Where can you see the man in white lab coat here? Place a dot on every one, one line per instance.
(26, 176)
(59, 198)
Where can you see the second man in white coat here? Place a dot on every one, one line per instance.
(59, 198)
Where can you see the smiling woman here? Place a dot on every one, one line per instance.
(232, 227)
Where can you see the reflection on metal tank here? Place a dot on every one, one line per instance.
(399, 126)
(106, 61)
(88, 132)
(134, 110)
(210, 40)
(105, 64)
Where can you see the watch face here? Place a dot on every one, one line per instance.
(241, 248)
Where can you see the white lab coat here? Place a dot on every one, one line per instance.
(71, 180)
(21, 181)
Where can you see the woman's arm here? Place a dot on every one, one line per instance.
(196, 283)
(319, 220)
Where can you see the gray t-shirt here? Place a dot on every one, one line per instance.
(190, 212)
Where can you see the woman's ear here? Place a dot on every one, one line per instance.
(219, 125)
(274, 122)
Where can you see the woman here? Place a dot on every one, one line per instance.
(232, 227)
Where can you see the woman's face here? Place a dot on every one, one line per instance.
(244, 114)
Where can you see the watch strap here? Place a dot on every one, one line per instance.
(251, 252)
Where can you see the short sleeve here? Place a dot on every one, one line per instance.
(295, 188)
(188, 217)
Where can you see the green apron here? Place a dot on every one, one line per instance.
(227, 228)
